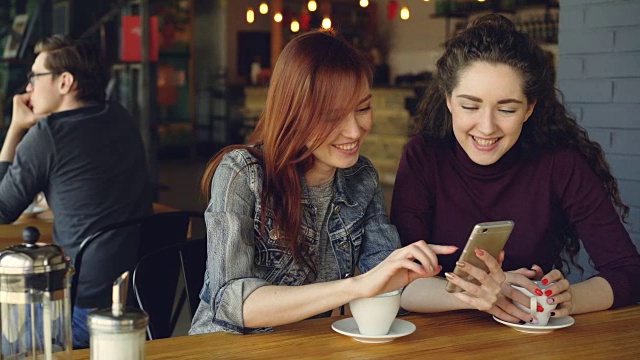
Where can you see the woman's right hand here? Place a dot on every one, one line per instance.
(399, 268)
(494, 295)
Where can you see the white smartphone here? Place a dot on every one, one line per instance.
(489, 236)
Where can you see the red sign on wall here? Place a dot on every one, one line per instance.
(131, 39)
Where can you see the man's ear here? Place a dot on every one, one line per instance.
(66, 83)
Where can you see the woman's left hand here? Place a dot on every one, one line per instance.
(558, 293)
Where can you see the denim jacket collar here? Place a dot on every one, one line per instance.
(341, 193)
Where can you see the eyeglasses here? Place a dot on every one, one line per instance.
(32, 75)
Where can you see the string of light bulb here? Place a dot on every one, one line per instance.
(312, 6)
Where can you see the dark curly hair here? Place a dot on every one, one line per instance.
(494, 39)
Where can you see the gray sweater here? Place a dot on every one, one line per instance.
(91, 166)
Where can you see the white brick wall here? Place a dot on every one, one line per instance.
(609, 115)
(587, 90)
(583, 41)
(599, 74)
(627, 39)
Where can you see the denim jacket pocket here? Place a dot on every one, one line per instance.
(271, 256)
(350, 244)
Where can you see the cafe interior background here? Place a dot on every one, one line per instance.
(199, 83)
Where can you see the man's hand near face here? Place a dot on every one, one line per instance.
(22, 120)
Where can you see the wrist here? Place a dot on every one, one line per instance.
(570, 304)
(15, 132)
(11, 141)
(355, 287)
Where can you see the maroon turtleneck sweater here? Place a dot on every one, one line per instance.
(440, 194)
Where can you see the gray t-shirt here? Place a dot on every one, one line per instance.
(90, 164)
(325, 261)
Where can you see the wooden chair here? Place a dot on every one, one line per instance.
(158, 291)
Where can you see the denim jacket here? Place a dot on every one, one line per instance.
(240, 259)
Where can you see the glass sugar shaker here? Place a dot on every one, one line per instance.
(118, 332)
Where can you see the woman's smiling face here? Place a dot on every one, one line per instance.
(342, 147)
(488, 109)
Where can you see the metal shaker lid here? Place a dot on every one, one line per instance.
(105, 320)
(118, 318)
(32, 257)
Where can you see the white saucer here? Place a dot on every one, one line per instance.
(554, 324)
(348, 327)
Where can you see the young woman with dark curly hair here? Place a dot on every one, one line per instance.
(494, 142)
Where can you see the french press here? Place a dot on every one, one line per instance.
(35, 309)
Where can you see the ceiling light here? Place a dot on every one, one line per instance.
(404, 13)
(251, 16)
(295, 26)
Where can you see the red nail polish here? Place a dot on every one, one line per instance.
(540, 308)
(545, 281)
(548, 292)
(538, 292)
(553, 313)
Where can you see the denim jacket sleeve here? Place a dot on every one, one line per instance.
(380, 236)
(229, 277)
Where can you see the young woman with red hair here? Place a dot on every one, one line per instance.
(293, 213)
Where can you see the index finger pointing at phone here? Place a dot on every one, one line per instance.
(443, 249)
(428, 252)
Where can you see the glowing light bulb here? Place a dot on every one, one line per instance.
(264, 8)
(295, 26)
(251, 16)
(404, 13)
(364, 3)
(277, 17)
(312, 5)
(326, 23)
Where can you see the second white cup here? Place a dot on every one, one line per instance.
(375, 315)
(543, 317)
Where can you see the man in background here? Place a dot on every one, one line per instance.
(86, 155)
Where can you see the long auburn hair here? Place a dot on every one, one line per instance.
(315, 84)
(494, 39)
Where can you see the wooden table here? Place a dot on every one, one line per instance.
(613, 334)
(11, 234)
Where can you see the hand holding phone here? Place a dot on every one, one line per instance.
(489, 236)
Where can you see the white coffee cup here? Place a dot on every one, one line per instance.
(374, 315)
(543, 317)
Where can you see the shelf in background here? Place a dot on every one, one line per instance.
(463, 9)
